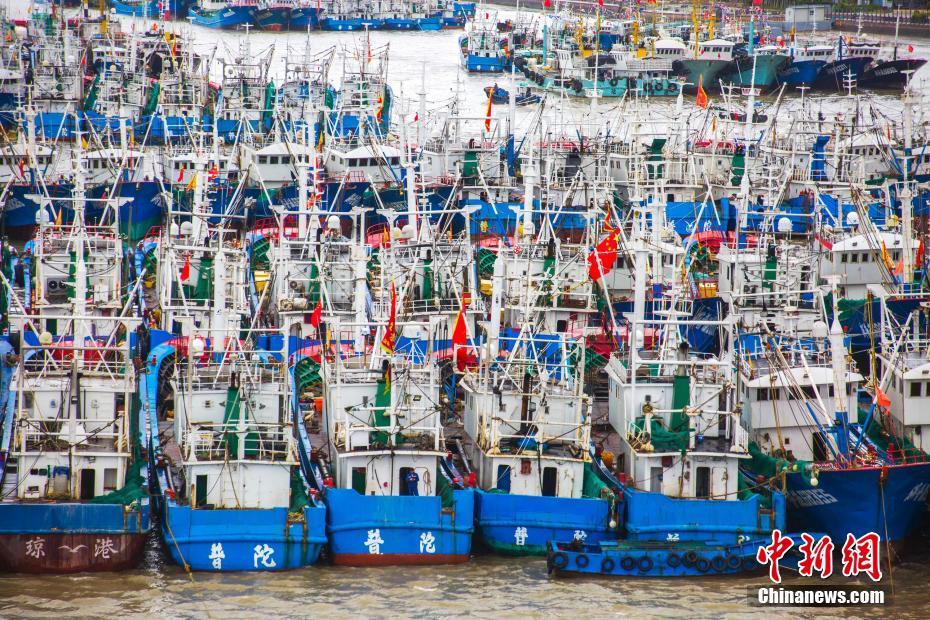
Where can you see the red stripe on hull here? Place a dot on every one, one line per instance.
(396, 559)
(69, 553)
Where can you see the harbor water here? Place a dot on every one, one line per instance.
(486, 587)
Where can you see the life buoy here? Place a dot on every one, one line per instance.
(627, 563)
(559, 560)
(749, 563)
(702, 565)
(733, 562)
(644, 564)
(582, 560)
(719, 563)
(607, 565)
(674, 560)
(690, 558)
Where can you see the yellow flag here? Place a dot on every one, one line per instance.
(58, 217)
(193, 182)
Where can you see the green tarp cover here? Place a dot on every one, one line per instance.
(593, 487)
(299, 499)
(381, 417)
(662, 439)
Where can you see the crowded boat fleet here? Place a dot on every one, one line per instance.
(277, 314)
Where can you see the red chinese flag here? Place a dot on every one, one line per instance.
(881, 399)
(186, 269)
(460, 339)
(701, 94)
(757, 2)
(547, 3)
(317, 314)
(602, 260)
(600, 2)
(910, 49)
(487, 114)
(387, 343)
(181, 175)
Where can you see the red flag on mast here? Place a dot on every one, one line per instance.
(701, 94)
(186, 269)
(601, 261)
(317, 314)
(460, 339)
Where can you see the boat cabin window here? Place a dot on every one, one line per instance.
(915, 388)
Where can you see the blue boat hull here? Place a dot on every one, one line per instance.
(70, 537)
(274, 20)
(486, 64)
(801, 72)
(304, 18)
(453, 21)
(833, 75)
(851, 501)
(228, 18)
(411, 529)
(349, 25)
(523, 524)
(244, 537)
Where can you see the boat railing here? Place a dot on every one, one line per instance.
(542, 430)
(260, 442)
(81, 435)
(57, 359)
(358, 428)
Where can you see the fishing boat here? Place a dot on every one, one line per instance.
(222, 14)
(74, 497)
(151, 9)
(805, 64)
(687, 508)
(273, 15)
(305, 15)
(350, 15)
(849, 65)
(526, 415)
(706, 68)
(522, 97)
(894, 72)
(394, 501)
(417, 16)
(483, 50)
(223, 455)
(758, 67)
